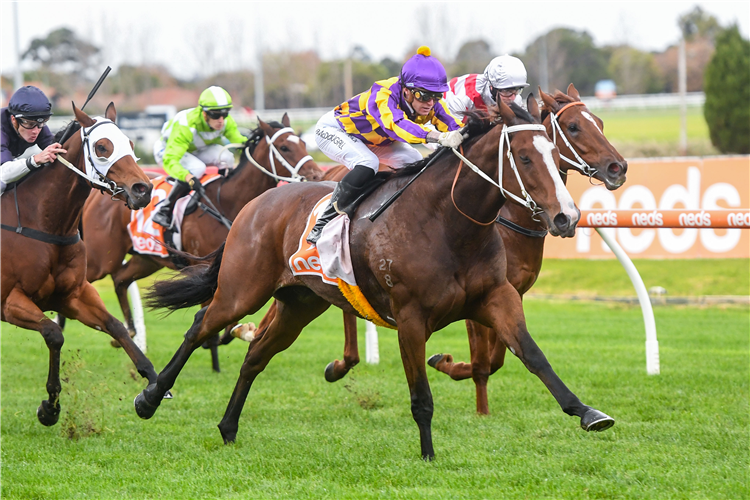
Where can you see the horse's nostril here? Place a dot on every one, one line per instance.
(139, 189)
(562, 222)
(614, 169)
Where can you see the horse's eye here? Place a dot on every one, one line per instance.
(525, 159)
(101, 149)
(285, 149)
(573, 128)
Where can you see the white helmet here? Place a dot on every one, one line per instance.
(505, 72)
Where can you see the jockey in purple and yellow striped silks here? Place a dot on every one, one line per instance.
(379, 126)
(381, 116)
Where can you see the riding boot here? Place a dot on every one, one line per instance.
(345, 198)
(163, 216)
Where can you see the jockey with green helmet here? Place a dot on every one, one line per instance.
(193, 139)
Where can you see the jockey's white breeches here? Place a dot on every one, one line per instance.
(350, 151)
(196, 162)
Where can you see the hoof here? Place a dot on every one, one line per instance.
(329, 372)
(168, 395)
(244, 331)
(143, 408)
(434, 360)
(47, 414)
(114, 343)
(594, 420)
(229, 437)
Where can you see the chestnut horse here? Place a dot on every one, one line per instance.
(44, 264)
(271, 146)
(583, 148)
(445, 218)
(582, 143)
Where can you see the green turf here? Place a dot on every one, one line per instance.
(682, 434)
(680, 277)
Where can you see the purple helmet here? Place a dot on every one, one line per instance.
(425, 72)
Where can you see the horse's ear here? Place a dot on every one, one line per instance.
(533, 107)
(285, 120)
(507, 114)
(111, 113)
(572, 92)
(550, 104)
(81, 117)
(265, 127)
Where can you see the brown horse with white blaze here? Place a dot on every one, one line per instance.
(44, 264)
(460, 271)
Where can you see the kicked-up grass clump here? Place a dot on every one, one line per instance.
(82, 415)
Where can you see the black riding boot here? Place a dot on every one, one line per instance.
(346, 196)
(164, 216)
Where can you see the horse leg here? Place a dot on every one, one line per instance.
(504, 311)
(207, 322)
(19, 310)
(88, 308)
(136, 268)
(337, 369)
(411, 340)
(213, 344)
(443, 362)
(290, 317)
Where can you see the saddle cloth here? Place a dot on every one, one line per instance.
(147, 237)
(331, 261)
(311, 260)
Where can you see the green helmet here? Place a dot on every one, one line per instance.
(215, 98)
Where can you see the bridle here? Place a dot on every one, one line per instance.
(274, 153)
(526, 201)
(93, 175)
(581, 164)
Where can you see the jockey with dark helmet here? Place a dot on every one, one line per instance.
(378, 126)
(27, 143)
(190, 141)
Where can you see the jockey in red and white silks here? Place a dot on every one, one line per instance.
(504, 78)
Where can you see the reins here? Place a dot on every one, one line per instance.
(527, 201)
(453, 199)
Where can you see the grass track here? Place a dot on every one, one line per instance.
(683, 434)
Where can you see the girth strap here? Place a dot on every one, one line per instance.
(520, 229)
(42, 236)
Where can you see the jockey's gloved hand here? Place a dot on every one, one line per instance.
(195, 184)
(451, 139)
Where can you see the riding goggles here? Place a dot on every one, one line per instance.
(215, 114)
(509, 92)
(422, 95)
(33, 123)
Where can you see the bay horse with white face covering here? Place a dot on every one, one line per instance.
(272, 154)
(446, 263)
(43, 259)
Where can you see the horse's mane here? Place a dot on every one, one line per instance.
(561, 98)
(252, 142)
(479, 123)
(67, 131)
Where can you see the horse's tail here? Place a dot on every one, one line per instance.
(193, 285)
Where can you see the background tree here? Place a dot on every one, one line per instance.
(62, 51)
(472, 57)
(634, 71)
(571, 57)
(727, 87)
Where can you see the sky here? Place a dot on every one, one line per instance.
(194, 38)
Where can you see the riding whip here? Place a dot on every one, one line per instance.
(398, 193)
(96, 87)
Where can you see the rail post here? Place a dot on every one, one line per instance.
(652, 345)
